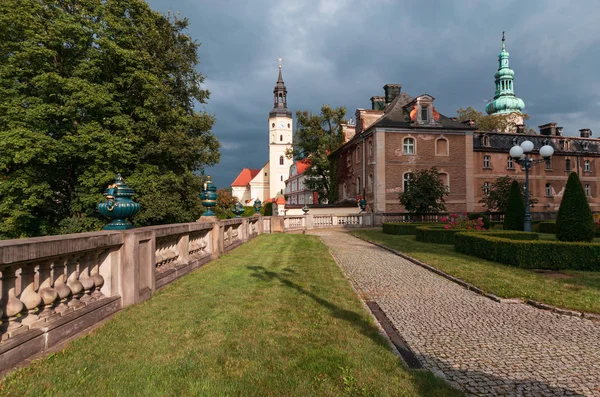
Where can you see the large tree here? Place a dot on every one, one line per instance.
(496, 197)
(90, 88)
(425, 193)
(318, 135)
(496, 122)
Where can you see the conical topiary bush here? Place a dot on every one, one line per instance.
(574, 221)
(514, 218)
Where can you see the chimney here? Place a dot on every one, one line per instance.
(585, 133)
(391, 91)
(377, 102)
(548, 129)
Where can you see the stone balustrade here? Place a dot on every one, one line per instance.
(52, 288)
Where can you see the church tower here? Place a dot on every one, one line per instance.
(280, 138)
(505, 101)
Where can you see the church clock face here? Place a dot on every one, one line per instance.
(281, 125)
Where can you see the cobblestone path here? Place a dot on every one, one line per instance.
(488, 348)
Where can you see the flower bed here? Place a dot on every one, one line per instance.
(529, 254)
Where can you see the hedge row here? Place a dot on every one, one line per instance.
(439, 235)
(532, 254)
(436, 235)
(547, 227)
(403, 228)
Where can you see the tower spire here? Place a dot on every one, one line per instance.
(505, 101)
(280, 96)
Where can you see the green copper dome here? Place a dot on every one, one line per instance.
(505, 101)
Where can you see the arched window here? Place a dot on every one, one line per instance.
(281, 138)
(281, 178)
(280, 98)
(485, 140)
(441, 147)
(358, 185)
(280, 160)
(548, 190)
(567, 165)
(409, 146)
(370, 148)
(272, 125)
(370, 186)
(587, 189)
(288, 125)
(358, 153)
(587, 166)
(444, 177)
(487, 163)
(406, 178)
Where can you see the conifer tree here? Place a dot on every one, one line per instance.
(575, 221)
(514, 218)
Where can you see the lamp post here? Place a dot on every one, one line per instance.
(520, 154)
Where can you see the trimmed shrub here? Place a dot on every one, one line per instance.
(547, 227)
(497, 225)
(484, 218)
(436, 234)
(514, 219)
(575, 221)
(530, 254)
(403, 228)
(268, 209)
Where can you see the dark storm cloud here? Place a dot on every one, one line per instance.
(342, 52)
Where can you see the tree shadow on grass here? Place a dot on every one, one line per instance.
(355, 319)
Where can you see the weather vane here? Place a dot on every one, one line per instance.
(279, 60)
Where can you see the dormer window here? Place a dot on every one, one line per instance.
(485, 140)
(424, 113)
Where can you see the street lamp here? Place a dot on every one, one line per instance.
(519, 154)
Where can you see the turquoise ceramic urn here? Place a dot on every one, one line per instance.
(257, 206)
(362, 203)
(208, 196)
(118, 205)
(238, 209)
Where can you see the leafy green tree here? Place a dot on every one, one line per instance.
(318, 135)
(90, 88)
(574, 221)
(514, 217)
(425, 193)
(496, 198)
(496, 122)
(225, 203)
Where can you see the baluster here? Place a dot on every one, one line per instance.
(96, 277)
(60, 287)
(74, 284)
(84, 277)
(47, 293)
(31, 300)
(11, 306)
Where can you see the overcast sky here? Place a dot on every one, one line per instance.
(342, 52)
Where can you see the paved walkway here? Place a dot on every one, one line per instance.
(488, 348)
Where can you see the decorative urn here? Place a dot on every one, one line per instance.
(305, 209)
(238, 209)
(362, 203)
(118, 205)
(208, 196)
(257, 206)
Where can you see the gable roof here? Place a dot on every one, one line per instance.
(244, 178)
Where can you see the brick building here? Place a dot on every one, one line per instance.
(401, 134)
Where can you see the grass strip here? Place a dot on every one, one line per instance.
(274, 317)
(567, 289)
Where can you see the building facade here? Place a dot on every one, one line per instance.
(401, 134)
(296, 191)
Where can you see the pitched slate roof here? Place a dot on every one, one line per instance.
(244, 178)
(397, 114)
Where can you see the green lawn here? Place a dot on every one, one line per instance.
(275, 317)
(575, 290)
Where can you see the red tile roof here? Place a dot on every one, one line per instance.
(280, 200)
(302, 165)
(244, 178)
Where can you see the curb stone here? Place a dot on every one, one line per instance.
(471, 287)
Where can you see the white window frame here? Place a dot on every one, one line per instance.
(486, 188)
(587, 189)
(549, 190)
(587, 166)
(487, 162)
(510, 163)
(406, 178)
(409, 146)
